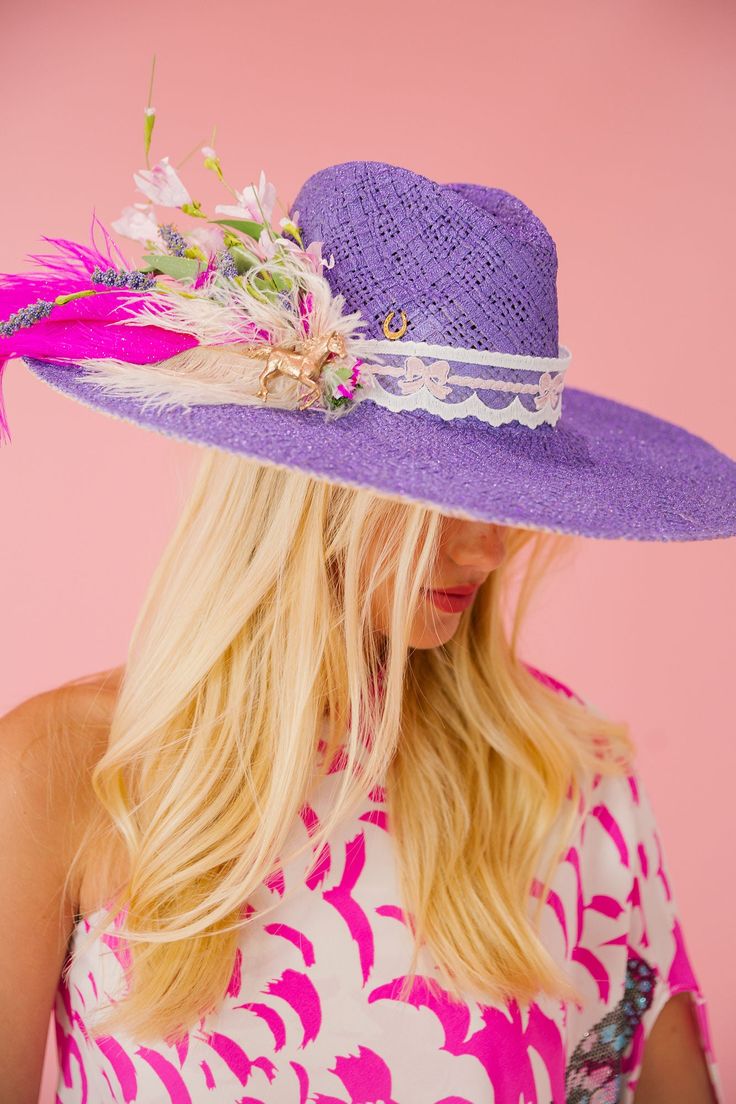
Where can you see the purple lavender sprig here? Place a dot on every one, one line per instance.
(119, 278)
(225, 263)
(26, 316)
(173, 240)
(108, 277)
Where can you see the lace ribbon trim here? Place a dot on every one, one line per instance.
(421, 381)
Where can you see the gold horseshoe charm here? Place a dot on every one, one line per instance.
(394, 335)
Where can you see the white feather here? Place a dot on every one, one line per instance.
(201, 375)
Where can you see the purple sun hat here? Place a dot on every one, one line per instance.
(462, 377)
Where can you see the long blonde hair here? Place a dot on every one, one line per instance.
(255, 642)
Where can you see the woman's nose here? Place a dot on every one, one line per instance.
(477, 544)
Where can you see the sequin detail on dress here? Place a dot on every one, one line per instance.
(594, 1073)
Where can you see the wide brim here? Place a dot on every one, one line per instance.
(606, 470)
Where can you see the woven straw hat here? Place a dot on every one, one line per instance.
(444, 297)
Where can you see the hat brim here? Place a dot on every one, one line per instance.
(606, 470)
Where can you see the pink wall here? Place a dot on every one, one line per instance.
(609, 119)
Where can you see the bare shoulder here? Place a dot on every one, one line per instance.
(49, 746)
(73, 717)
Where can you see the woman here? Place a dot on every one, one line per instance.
(325, 835)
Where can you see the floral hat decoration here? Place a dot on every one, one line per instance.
(231, 310)
(398, 334)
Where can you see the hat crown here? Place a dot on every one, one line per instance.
(470, 266)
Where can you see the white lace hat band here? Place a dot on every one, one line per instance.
(452, 382)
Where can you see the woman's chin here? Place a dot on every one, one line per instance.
(434, 635)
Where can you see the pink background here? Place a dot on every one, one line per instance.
(610, 120)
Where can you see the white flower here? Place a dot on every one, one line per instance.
(137, 223)
(269, 245)
(254, 204)
(209, 238)
(314, 251)
(162, 185)
(235, 211)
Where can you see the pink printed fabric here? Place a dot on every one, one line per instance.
(312, 1014)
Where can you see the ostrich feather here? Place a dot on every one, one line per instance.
(203, 375)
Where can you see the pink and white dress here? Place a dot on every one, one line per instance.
(312, 1014)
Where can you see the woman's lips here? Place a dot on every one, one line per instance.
(453, 600)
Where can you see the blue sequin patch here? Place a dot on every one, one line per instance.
(594, 1072)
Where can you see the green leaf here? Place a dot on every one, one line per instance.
(281, 284)
(243, 259)
(179, 268)
(269, 282)
(250, 229)
(261, 284)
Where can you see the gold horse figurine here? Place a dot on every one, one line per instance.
(304, 365)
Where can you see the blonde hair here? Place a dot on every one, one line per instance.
(256, 640)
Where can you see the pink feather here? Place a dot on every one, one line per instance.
(206, 273)
(306, 306)
(77, 260)
(83, 327)
(4, 428)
